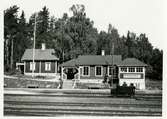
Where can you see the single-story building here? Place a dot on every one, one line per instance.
(45, 62)
(93, 68)
(131, 70)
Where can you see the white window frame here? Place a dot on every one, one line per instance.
(88, 71)
(101, 71)
(139, 68)
(32, 67)
(47, 66)
(131, 71)
(109, 70)
(124, 67)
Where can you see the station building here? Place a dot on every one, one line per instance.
(93, 68)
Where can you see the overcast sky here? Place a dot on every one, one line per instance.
(139, 16)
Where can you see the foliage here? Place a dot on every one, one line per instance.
(74, 36)
(16, 39)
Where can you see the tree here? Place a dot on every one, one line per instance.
(73, 36)
(157, 64)
(60, 37)
(110, 42)
(122, 48)
(114, 40)
(130, 43)
(22, 40)
(144, 49)
(102, 43)
(52, 24)
(42, 27)
(10, 30)
(82, 32)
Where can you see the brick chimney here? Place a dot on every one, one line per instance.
(43, 46)
(102, 52)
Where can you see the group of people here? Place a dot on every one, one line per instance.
(108, 80)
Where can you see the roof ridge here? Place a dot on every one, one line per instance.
(40, 54)
(132, 61)
(39, 49)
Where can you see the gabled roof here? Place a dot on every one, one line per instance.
(46, 54)
(94, 60)
(70, 63)
(99, 59)
(131, 62)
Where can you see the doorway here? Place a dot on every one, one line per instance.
(71, 73)
(22, 69)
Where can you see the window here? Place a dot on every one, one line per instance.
(47, 66)
(85, 71)
(123, 69)
(131, 69)
(139, 69)
(32, 67)
(98, 71)
(110, 70)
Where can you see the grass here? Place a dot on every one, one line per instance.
(153, 84)
(24, 83)
(30, 77)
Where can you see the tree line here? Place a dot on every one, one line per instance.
(73, 36)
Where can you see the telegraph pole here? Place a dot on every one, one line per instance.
(112, 62)
(62, 41)
(11, 64)
(34, 48)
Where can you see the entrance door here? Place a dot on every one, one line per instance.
(22, 69)
(70, 74)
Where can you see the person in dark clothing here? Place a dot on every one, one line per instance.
(133, 88)
(131, 85)
(124, 84)
(105, 78)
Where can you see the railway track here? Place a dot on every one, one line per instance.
(88, 95)
(80, 112)
(150, 105)
(81, 104)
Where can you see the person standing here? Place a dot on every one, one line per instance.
(60, 86)
(105, 78)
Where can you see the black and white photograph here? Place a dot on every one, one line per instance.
(83, 58)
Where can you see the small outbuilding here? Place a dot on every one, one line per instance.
(45, 62)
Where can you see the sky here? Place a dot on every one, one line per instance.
(138, 16)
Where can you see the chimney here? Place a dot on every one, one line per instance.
(103, 52)
(43, 46)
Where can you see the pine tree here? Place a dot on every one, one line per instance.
(42, 27)
(22, 40)
(10, 31)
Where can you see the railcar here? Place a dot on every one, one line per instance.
(123, 91)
